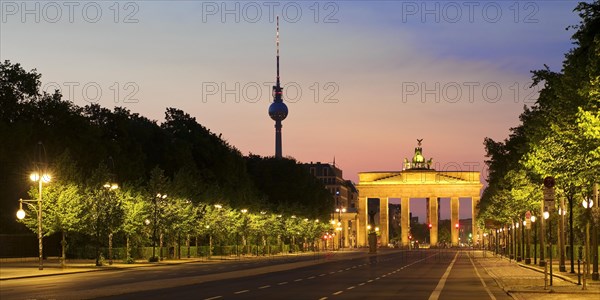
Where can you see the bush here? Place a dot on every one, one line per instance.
(153, 259)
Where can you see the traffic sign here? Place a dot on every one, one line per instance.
(548, 194)
(549, 182)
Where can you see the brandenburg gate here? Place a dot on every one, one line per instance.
(416, 180)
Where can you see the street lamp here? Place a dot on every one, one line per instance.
(155, 202)
(40, 179)
(533, 219)
(526, 255)
(547, 217)
(110, 187)
(518, 242)
(587, 204)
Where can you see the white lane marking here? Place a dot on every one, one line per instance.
(332, 272)
(435, 295)
(361, 284)
(370, 280)
(241, 292)
(311, 277)
(299, 279)
(337, 293)
(212, 298)
(323, 298)
(321, 275)
(377, 278)
(282, 283)
(347, 269)
(482, 282)
(350, 288)
(264, 287)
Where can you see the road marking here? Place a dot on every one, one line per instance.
(332, 272)
(438, 289)
(299, 279)
(282, 283)
(482, 282)
(212, 298)
(370, 280)
(241, 292)
(311, 277)
(321, 275)
(350, 288)
(323, 298)
(337, 293)
(361, 284)
(340, 271)
(377, 278)
(347, 269)
(264, 287)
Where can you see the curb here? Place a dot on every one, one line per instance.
(146, 265)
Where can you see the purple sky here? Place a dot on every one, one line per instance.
(362, 79)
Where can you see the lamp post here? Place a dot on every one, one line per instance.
(587, 204)
(110, 187)
(525, 255)
(157, 198)
(39, 178)
(542, 239)
(533, 219)
(561, 236)
(595, 275)
(519, 241)
(547, 217)
(340, 224)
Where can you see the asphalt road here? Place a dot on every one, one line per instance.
(423, 274)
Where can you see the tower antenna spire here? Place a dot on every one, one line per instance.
(278, 84)
(278, 111)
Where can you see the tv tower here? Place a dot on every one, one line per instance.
(278, 111)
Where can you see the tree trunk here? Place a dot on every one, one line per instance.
(98, 250)
(160, 246)
(178, 245)
(110, 256)
(187, 241)
(63, 261)
(128, 249)
(197, 249)
(209, 245)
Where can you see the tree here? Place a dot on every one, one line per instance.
(136, 212)
(105, 209)
(62, 203)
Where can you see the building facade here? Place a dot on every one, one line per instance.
(344, 216)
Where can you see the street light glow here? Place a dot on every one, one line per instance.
(588, 203)
(546, 215)
(533, 218)
(34, 176)
(20, 214)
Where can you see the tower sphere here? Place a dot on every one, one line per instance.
(278, 111)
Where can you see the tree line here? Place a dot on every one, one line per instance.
(108, 166)
(558, 136)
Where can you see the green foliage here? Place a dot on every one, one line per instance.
(88, 147)
(559, 136)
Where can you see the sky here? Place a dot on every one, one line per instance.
(362, 79)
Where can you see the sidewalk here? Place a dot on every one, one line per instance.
(523, 281)
(30, 267)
